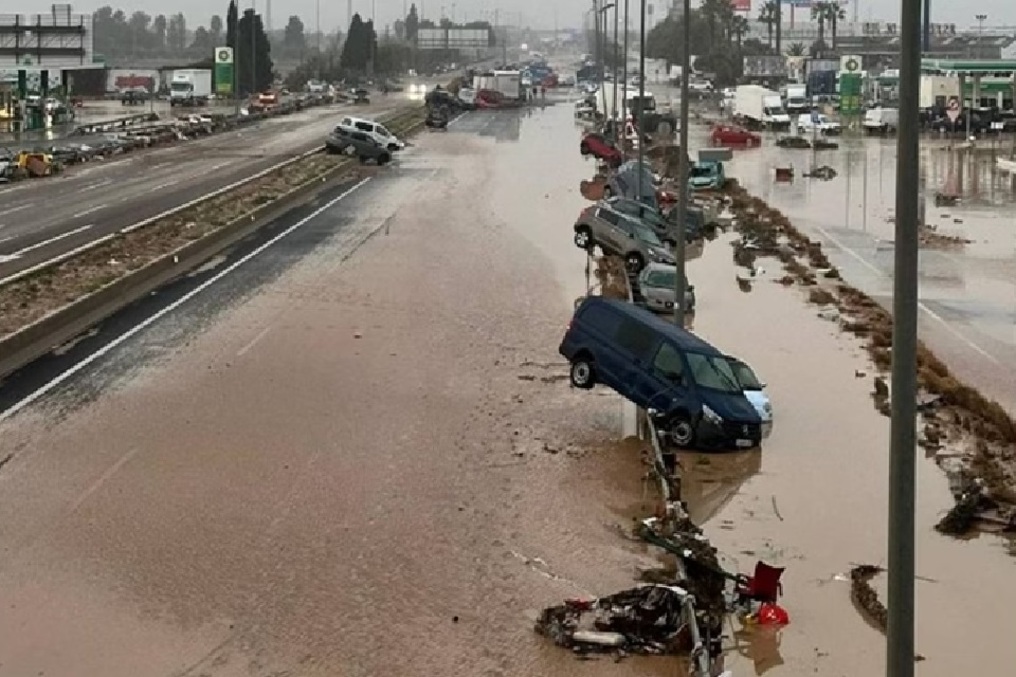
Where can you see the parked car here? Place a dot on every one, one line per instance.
(700, 87)
(619, 234)
(881, 120)
(656, 285)
(601, 148)
(818, 123)
(707, 176)
(659, 366)
(355, 143)
(733, 135)
(754, 390)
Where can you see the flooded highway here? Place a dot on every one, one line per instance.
(349, 446)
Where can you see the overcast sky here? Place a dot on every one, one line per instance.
(537, 13)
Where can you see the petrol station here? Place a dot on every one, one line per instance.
(33, 49)
(985, 83)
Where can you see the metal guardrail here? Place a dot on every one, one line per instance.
(37, 339)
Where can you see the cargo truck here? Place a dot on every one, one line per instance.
(797, 99)
(191, 87)
(759, 108)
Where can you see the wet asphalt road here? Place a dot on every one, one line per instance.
(348, 447)
(43, 218)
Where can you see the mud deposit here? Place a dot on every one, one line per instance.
(956, 417)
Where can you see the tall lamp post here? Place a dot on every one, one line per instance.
(682, 172)
(639, 112)
(624, 77)
(614, 106)
(902, 452)
(603, 22)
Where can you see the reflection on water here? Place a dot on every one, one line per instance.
(760, 645)
(710, 481)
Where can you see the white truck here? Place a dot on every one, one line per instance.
(758, 107)
(881, 120)
(509, 83)
(796, 96)
(190, 87)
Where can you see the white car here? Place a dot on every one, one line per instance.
(700, 87)
(375, 130)
(817, 122)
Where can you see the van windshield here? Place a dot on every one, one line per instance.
(745, 376)
(713, 372)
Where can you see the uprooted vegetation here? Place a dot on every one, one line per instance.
(32, 297)
(954, 414)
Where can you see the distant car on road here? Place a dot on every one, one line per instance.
(700, 87)
(733, 135)
(619, 234)
(601, 148)
(354, 143)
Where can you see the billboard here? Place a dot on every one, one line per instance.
(741, 5)
(453, 38)
(57, 40)
(224, 77)
(765, 66)
(123, 79)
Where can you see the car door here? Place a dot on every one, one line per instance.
(612, 235)
(636, 344)
(662, 384)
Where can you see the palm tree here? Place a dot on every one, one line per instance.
(819, 14)
(834, 13)
(767, 16)
(796, 49)
(739, 27)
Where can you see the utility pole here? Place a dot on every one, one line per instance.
(640, 110)
(253, 50)
(779, 26)
(624, 79)
(927, 26)
(682, 172)
(903, 393)
(613, 111)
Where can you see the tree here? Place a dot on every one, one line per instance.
(767, 16)
(361, 45)
(834, 13)
(203, 43)
(232, 18)
(392, 57)
(412, 23)
(141, 37)
(796, 49)
(252, 55)
(818, 13)
(176, 33)
(159, 29)
(215, 27)
(294, 43)
(739, 27)
(399, 27)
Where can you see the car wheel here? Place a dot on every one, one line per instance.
(682, 431)
(634, 262)
(384, 159)
(582, 374)
(584, 238)
(584, 148)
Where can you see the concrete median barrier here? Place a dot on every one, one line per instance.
(39, 337)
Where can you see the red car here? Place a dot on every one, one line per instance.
(601, 148)
(730, 135)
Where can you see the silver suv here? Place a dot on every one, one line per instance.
(359, 144)
(620, 234)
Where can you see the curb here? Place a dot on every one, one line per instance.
(40, 337)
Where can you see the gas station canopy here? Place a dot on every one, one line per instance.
(969, 66)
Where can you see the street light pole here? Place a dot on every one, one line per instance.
(624, 78)
(682, 172)
(902, 452)
(253, 50)
(640, 111)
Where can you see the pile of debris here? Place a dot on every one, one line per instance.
(650, 619)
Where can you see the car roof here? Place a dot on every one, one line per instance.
(682, 338)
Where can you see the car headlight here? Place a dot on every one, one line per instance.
(711, 416)
(767, 408)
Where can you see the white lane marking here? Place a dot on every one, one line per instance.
(97, 184)
(105, 477)
(61, 236)
(89, 211)
(920, 304)
(17, 209)
(253, 342)
(152, 319)
(167, 184)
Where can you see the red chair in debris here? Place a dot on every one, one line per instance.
(763, 587)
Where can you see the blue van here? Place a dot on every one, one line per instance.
(659, 366)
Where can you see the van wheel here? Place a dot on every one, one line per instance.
(582, 374)
(583, 238)
(682, 431)
(634, 263)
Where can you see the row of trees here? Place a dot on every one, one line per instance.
(119, 35)
(719, 36)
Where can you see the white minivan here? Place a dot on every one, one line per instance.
(376, 130)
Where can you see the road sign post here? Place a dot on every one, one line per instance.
(225, 76)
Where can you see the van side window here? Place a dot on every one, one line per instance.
(668, 362)
(608, 216)
(365, 126)
(637, 338)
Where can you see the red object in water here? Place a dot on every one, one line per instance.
(772, 614)
(665, 197)
(764, 586)
(732, 135)
(601, 148)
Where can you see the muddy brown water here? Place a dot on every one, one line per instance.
(334, 471)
